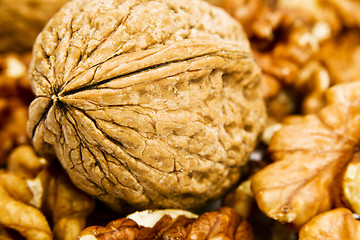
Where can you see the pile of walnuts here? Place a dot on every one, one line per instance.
(301, 180)
(309, 55)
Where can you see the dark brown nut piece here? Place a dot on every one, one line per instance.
(221, 224)
(21, 21)
(122, 228)
(335, 224)
(148, 224)
(244, 231)
(309, 155)
(158, 111)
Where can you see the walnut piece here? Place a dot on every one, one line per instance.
(30, 193)
(241, 199)
(310, 152)
(16, 198)
(341, 56)
(350, 184)
(335, 224)
(68, 206)
(157, 111)
(221, 224)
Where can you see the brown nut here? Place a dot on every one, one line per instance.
(335, 224)
(221, 224)
(309, 155)
(147, 224)
(158, 111)
(122, 228)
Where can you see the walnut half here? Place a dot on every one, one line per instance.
(157, 111)
(221, 224)
(310, 155)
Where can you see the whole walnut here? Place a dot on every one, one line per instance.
(151, 102)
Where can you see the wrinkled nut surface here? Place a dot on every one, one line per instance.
(31, 193)
(25, 219)
(160, 111)
(335, 224)
(309, 153)
(18, 211)
(221, 224)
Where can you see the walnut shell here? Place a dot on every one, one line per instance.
(152, 102)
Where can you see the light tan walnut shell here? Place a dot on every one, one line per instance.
(152, 102)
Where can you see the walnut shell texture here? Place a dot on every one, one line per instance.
(152, 102)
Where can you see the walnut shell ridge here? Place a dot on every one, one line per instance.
(151, 102)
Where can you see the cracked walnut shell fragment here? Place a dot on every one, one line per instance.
(157, 111)
(310, 155)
